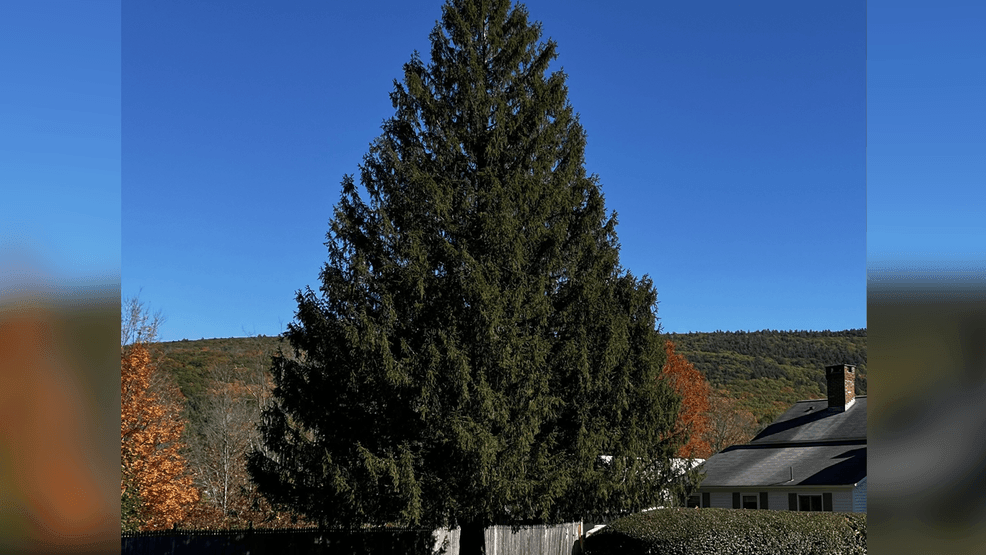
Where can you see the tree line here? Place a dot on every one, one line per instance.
(199, 402)
(210, 394)
(186, 428)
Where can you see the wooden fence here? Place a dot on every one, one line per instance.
(558, 539)
(561, 539)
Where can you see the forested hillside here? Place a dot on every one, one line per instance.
(770, 370)
(192, 363)
(766, 370)
(225, 382)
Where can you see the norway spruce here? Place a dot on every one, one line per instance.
(475, 347)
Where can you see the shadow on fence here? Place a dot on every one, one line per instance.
(500, 540)
(262, 542)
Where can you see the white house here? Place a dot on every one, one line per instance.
(812, 458)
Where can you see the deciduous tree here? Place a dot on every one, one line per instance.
(693, 419)
(155, 488)
(137, 324)
(474, 347)
(728, 423)
(227, 431)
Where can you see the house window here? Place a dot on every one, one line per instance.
(809, 502)
(750, 502)
(694, 501)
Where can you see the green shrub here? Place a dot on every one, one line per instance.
(731, 532)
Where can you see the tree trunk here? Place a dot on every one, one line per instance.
(471, 538)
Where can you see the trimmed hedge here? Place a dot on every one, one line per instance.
(731, 532)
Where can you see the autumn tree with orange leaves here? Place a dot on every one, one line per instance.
(155, 488)
(693, 416)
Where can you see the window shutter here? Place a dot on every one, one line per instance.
(763, 500)
(736, 500)
(792, 501)
(827, 502)
(705, 500)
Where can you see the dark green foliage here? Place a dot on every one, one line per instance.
(474, 345)
(768, 370)
(731, 532)
(790, 368)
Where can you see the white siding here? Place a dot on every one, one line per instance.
(859, 497)
(842, 501)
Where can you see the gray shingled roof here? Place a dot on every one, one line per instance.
(812, 421)
(821, 447)
(814, 464)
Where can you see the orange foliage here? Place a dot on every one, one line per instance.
(694, 390)
(150, 433)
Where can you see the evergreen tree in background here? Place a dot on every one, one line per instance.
(475, 346)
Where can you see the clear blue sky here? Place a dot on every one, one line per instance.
(730, 142)
(729, 138)
(59, 142)
(926, 171)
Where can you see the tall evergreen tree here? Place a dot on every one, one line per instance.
(475, 346)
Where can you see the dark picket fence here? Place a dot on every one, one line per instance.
(264, 542)
(559, 539)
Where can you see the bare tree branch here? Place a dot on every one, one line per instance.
(137, 323)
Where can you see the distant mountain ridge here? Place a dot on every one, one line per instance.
(770, 370)
(189, 362)
(767, 371)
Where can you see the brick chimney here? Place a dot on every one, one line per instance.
(841, 381)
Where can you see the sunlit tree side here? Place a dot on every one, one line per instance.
(156, 489)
